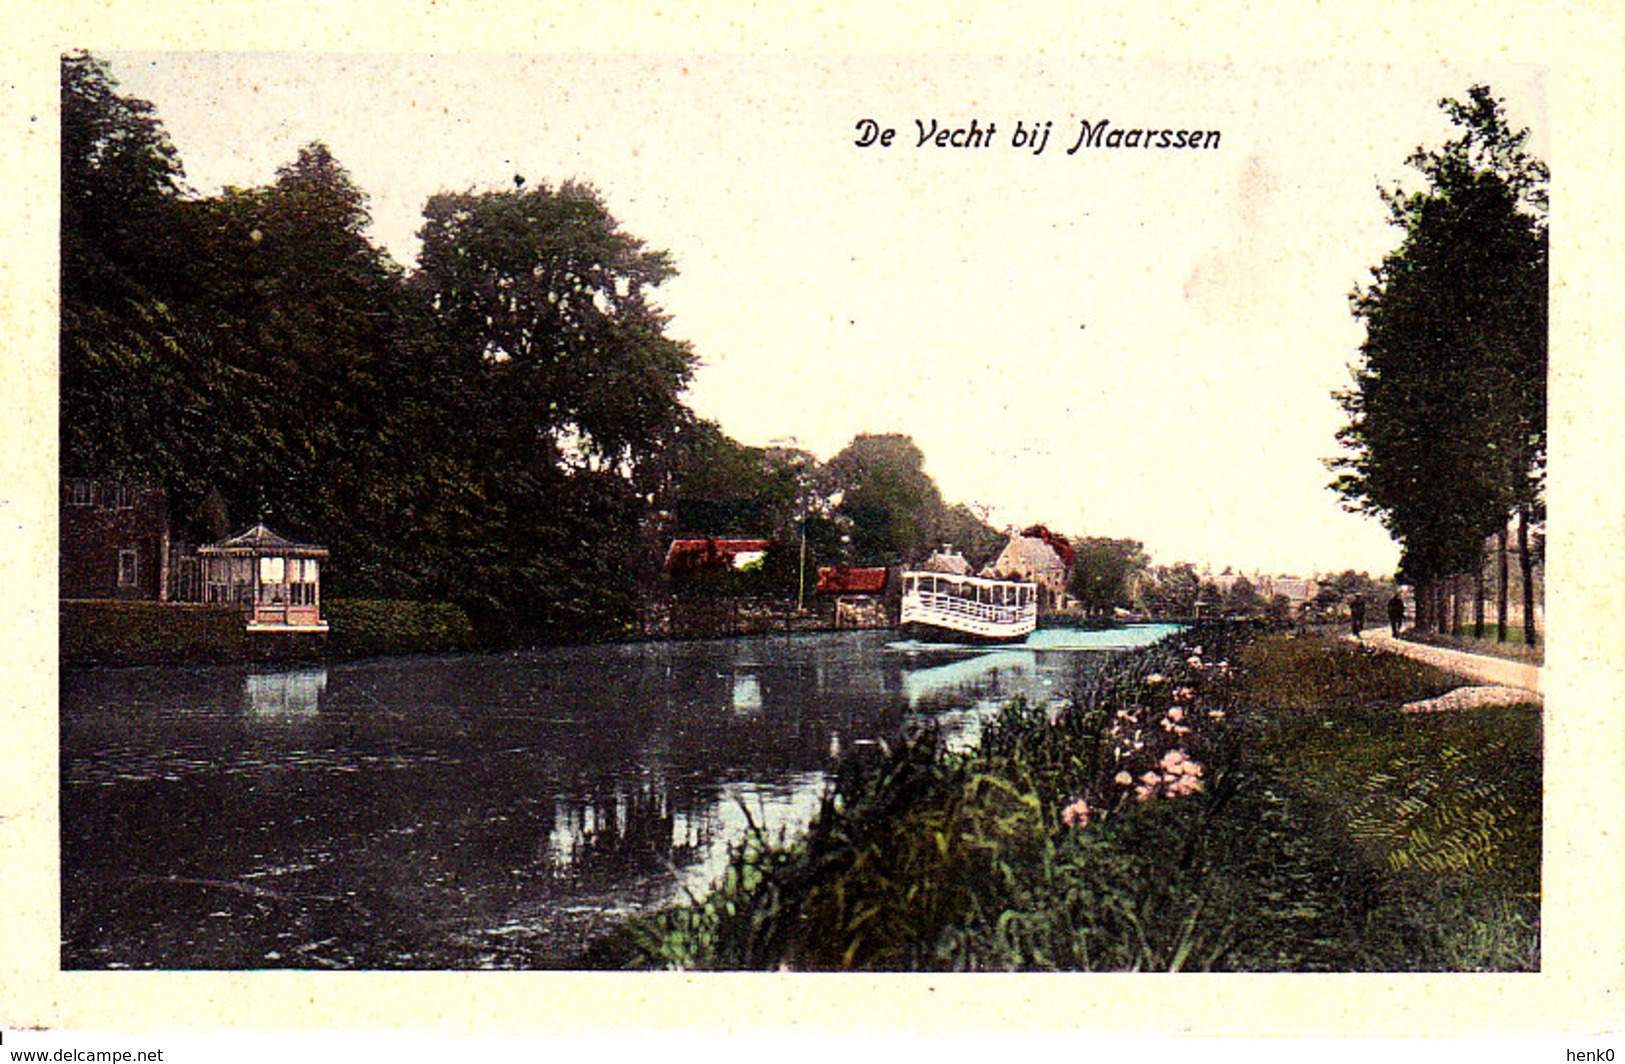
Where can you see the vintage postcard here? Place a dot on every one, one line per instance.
(838, 526)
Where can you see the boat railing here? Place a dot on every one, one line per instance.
(955, 607)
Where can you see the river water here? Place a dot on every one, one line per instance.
(475, 811)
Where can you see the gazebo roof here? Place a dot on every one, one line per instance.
(260, 540)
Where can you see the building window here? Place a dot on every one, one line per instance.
(81, 493)
(126, 568)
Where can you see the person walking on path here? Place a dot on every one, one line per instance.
(1396, 614)
(1357, 615)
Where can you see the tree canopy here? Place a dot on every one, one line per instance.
(1106, 571)
(893, 505)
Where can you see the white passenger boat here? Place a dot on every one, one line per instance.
(947, 605)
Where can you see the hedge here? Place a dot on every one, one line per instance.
(388, 626)
(106, 632)
(98, 632)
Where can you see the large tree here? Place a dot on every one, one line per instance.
(563, 388)
(120, 178)
(122, 383)
(1447, 411)
(1106, 571)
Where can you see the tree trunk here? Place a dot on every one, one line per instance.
(1478, 598)
(1527, 567)
(1501, 589)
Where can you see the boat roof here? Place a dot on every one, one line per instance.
(966, 578)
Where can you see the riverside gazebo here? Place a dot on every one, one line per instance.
(276, 582)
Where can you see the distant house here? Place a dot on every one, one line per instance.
(1298, 591)
(700, 557)
(947, 560)
(1038, 555)
(113, 540)
(841, 580)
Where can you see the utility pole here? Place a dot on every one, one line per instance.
(801, 579)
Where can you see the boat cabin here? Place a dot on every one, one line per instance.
(276, 582)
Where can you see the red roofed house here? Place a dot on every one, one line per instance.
(699, 557)
(845, 581)
(858, 595)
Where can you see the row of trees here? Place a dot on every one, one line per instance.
(501, 426)
(1446, 435)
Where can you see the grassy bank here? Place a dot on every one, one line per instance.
(1224, 800)
(1514, 649)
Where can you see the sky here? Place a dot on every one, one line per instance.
(1111, 342)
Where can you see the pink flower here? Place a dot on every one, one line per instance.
(1215, 714)
(1155, 678)
(1123, 779)
(1194, 661)
(1076, 814)
(1150, 779)
(1176, 714)
(1184, 694)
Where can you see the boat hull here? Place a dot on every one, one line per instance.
(936, 633)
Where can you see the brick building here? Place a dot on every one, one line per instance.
(113, 538)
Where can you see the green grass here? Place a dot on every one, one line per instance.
(1514, 649)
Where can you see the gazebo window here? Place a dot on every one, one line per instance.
(126, 568)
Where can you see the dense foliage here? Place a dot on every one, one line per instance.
(1106, 573)
(147, 633)
(389, 626)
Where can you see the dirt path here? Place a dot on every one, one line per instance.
(1479, 667)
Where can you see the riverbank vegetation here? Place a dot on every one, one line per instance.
(1229, 799)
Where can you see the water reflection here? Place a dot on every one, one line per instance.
(281, 695)
(747, 698)
(459, 800)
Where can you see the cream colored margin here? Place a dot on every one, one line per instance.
(1585, 879)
